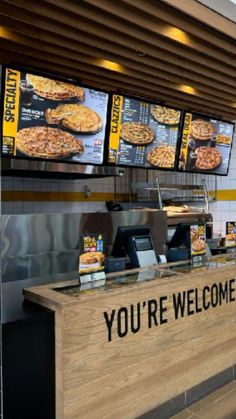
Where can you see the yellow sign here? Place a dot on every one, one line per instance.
(117, 104)
(11, 108)
(185, 137)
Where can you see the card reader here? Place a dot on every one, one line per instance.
(141, 251)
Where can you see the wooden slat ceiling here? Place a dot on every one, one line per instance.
(143, 48)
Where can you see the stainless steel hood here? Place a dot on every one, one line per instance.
(41, 169)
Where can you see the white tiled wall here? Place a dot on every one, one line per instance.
(54, 185)
(222, 211)
(225, 210)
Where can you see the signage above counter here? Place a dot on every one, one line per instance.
(52, 119)
(143, 134)
(205, 144)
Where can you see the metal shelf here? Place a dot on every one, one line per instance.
(199, 193)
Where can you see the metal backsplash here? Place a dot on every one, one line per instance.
(43, 248)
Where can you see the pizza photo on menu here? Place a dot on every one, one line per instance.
(205, 145)
(207, 158)
(54, 89)
(53, 119)
(202, 130)
(165, 115)
(75, 117)
(136, 133)
(47, 143)
(162, 156)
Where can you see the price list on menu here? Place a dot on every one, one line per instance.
(169, 135)
(140, 135)
(134, 111)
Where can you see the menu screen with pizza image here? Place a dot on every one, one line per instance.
(51, 119)
(143, 134)
(198, 239)
(205, 145)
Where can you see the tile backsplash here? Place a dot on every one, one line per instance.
(30, 195)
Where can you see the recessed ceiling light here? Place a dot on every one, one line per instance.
(177, 35)
(110, 65)
(187, 89)
(4, 33)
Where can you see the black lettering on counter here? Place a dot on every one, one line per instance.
(153, 313)
(179, 304)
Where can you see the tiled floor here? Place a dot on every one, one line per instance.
(218, 405)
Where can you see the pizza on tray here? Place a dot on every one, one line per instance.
(54, 89)
(75, 117)
(136, 133)
(165, 115)
(47, 143)
(208, 158)
(202, 130)
(162, 156)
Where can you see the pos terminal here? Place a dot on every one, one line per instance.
(136, 243)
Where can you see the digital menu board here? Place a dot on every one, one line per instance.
(205, 144)
(198, 239)
(143, 134)
(51, 119)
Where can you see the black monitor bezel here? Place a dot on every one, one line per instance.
(151, 102)
(203, 115)
(125, 232)
(47, 74)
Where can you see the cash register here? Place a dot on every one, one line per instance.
(136, 243)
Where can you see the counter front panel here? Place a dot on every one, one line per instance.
(130, 345)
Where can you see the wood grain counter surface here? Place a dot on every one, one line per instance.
(130, 345)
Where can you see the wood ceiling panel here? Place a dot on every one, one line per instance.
(204, 14)
(151, 26)
(131, 68)
(155, 91)
(159, 59)
(98, 81)
(73, 37)
(70, 13)
(180, 20)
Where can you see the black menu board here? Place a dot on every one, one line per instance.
(205, 145)
(51, 119)
(143, 134)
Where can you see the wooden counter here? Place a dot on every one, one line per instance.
(123, 349)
